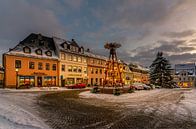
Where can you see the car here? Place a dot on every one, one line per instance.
(176, 86)
(76, 86)
(158, 87)
(138, 86)
(146, 87)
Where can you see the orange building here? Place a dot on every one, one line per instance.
(96, 66)
(33, 62)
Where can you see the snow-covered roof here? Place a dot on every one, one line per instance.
(35, 42)
(60, 46)
(90, 54)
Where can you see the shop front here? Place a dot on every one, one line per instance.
(73, 79)
(37, 80)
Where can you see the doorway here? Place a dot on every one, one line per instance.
(39, 81)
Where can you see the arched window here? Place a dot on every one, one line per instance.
(27, 50)
(48, 53)
(38, 52)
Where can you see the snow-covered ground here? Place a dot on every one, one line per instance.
(17, 111)
(176, 103)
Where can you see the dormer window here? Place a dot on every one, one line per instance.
(65, 46)
(82, 50)
(48, 53)
(38, 52)
(27, 50)
(41, 43)
(76, 49)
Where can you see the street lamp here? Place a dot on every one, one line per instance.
(17, 77)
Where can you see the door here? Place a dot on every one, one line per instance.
(39, 81)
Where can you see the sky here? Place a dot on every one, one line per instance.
(142, 27)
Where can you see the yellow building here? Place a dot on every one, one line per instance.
(73, 62)
(140, 74)
(96, 66)
(33, 62)
(127, 75)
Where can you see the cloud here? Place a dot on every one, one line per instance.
(176, 51)
(19, 18)
(181, 34)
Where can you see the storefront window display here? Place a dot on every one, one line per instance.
(27, 81)
(49, 81)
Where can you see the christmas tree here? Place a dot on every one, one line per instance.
(160, 72)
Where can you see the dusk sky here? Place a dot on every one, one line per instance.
(143, 27)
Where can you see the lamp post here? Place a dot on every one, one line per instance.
(17, 77)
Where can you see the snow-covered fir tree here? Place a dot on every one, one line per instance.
(160, 72)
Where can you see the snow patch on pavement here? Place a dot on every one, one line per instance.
(15, 116)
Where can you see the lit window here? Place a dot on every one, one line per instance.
(62, 56)
(69, 68)
(85, 70)
(18, 64)
(70, 57)
(31, 65)
(79, 59)
(47, 66)
(40, 66)
(74, 69)
(84, 60)
(74, 58)
(92, 70)
(79, 69)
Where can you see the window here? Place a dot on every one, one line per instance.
(31, 65)
(69, 68)
(38, 52)
(48, 53)
(74, 69)
(74, 58)
(77, 49)
(27, 81)
(63, 68)
(70, 57)
(79, 59)
(85, 70)
(17, 64)
(27, 50)
(96, 80)
(47, 66)
(62, 56)
(40, 66)
(65, 46)
(100, 71)
(92, 70)
(84, 60)
(54, 67)
(96, 71)
(82, 50)
(79, 69)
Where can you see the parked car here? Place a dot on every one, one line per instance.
(138, 86)
(146, 87)
(76, 86)
(176, 86)
(158, 87)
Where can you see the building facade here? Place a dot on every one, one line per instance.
(96, 67)
(50, 61)
(73, 62)
(185, 75)
(33, 62)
